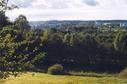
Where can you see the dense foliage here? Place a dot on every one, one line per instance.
(76, 48)
(23, 48)
(20, 49)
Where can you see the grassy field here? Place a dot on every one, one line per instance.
(40, 78)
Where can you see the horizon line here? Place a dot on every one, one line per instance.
(82, 20)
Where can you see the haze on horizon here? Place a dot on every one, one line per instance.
(40, 10)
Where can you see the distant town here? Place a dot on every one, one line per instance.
(76, 23)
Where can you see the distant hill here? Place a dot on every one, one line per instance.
(74, 23)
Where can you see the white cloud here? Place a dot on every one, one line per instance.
(91, 2)
(70, 9)
(21, 3)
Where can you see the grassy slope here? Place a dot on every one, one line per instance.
(39, 78)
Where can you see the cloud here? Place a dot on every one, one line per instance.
(56, 4)
(21, 3)
(125, 1)
(91, 2)
(70, 9)
(51, 4)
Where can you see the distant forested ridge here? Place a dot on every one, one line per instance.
(78, 23)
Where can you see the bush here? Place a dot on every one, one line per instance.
(56, 69)
(123, 73)
(3, 75)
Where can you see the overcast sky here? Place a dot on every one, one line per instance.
(36, 10)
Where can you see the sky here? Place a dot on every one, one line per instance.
(41, 10)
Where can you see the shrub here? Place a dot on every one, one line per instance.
(123, 73)
(3, 75)
(56, 69)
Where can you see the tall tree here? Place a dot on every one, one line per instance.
(120, 42)
(3, 8)
(22, 24)
(3, 5)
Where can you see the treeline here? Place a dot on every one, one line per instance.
(96, 51)
(24, 48)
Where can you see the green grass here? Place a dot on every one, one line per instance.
(40, 78)
(91, 74)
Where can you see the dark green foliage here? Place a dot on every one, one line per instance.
(31, 49)
(120, 43)
(22, 24)
(56, 69)
(4, 21)
(23, 48)
(20, 49)
(23, 53)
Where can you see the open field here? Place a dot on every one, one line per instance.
(40, 78)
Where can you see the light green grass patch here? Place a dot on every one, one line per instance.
(40, 78)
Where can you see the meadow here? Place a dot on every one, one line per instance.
(41, 78)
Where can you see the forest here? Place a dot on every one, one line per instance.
(86, 48)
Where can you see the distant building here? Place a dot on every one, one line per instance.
(113, 23)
